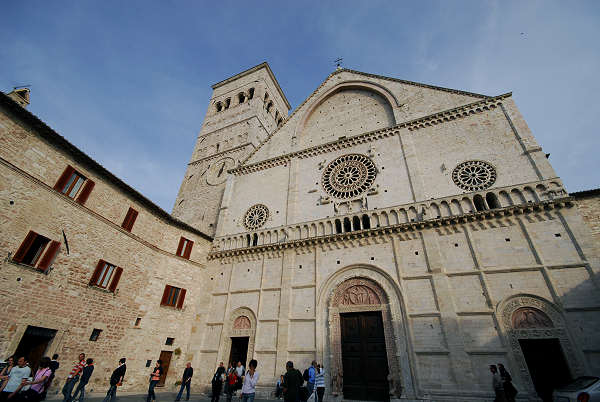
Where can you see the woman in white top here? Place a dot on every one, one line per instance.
(320, 383)
(250, 380)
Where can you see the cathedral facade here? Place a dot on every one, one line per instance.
(404, 236)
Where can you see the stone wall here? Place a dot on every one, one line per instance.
(588, 204)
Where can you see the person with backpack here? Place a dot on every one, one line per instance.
(54, 364)
(86, 373)
(309, 377)
(292, 382)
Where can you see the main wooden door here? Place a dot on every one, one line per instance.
(364, 357)
(166, 361)
(239, 350)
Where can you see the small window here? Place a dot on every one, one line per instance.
(185, 248)
(219, 106)
(37, 251)
(227, 103)
(169, 341)
(106, 276)
(95, 334)
(280, 122)
(269, 106)
(251, 93)
(74, 185)
(138, 321)
(173, 297)
(148, 363)
(241, 97)
(129, 219)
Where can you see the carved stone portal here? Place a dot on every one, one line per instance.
(242, 322)
(359, 295)
(529, 317)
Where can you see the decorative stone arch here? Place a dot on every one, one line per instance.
(360, 288)
(357, 84)
(241, 322)
(526, 316)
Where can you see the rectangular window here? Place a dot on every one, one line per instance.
(37, 251)
(106, 276)
(129, 219)
(173, 297)
(169, 341)
(74, 185)
(95, 334)
(185, 247)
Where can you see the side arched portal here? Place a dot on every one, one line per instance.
(241, 325)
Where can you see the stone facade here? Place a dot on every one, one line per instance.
(433, 209)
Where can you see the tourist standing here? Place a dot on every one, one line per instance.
(292, 381)
(10, 362)
(73, 377)
(36, 385)
(279, 387)
(497, 384)
(17, 374)
(54, 364)
(230, 382)
(154, 378)
(250, 380)
(116, 379)
(217, 383)
(310, 381)
(86, 373)
(320, 383)
(509, 389)
(185, 381)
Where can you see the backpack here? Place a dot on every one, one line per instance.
(306, 376)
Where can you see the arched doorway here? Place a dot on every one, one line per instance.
(361, 305)
(239, 337)
(539, 343)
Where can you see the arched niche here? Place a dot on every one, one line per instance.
(241, 323)
(526, 316)
(361, 288)
(358, 107)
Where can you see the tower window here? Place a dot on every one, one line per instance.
(227, 103)
(269, 106)
(219, 106)
(241, 98)
(250, 93)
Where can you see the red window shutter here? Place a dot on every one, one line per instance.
(165, 295)
(85, 193)
(181, 299)
(49, 255)
(115, 281)
(129, 219)
(96, 273)
(64, 177)
(188, 249)
(180, 246)
(24, 247)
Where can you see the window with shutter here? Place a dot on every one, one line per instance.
(37, 251)
(106, 276)
(74, 185)
(173, 297)
(185, 248)
(129, 219)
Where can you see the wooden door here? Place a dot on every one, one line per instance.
(364, 356)
(166, 360)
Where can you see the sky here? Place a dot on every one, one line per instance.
(128, 82)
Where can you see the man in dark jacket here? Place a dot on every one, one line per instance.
(217, 383)
(185, 381)
(292, 381)
(116, 379)
(86, 373)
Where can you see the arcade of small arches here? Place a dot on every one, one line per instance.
(246, 96)
(449, 207)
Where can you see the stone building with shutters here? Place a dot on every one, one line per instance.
(89, 264)
(406, 236)
(403, 235)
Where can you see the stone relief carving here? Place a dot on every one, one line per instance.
(242, 322)
(529, 317)
(358, 295)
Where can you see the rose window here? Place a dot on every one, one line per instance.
(256, 216)
(474, 175)
(349, 176)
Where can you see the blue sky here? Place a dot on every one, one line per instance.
(128, 82)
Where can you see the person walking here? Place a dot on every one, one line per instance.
(116, 379)
(320, 383)
(217, 383)
(239, 370)
(86, 373)
(14, 379)
(154, 378)
(250, 380)
(497, 385)
(509, 389)
(310, 381)
(34, 386)
(73, 377)
(292, 381)
(185, 381)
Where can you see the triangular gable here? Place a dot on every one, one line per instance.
(408, 100)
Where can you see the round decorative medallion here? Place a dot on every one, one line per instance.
(474, 175)
(256, 216)
(349, 175)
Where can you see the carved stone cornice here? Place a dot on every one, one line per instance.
(412, 125)
(354, 237)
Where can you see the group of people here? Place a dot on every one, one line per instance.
(290, 385)
(17, 384)
(502, 383)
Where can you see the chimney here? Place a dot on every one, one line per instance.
(20, 95)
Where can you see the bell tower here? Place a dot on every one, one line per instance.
(243, 111)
